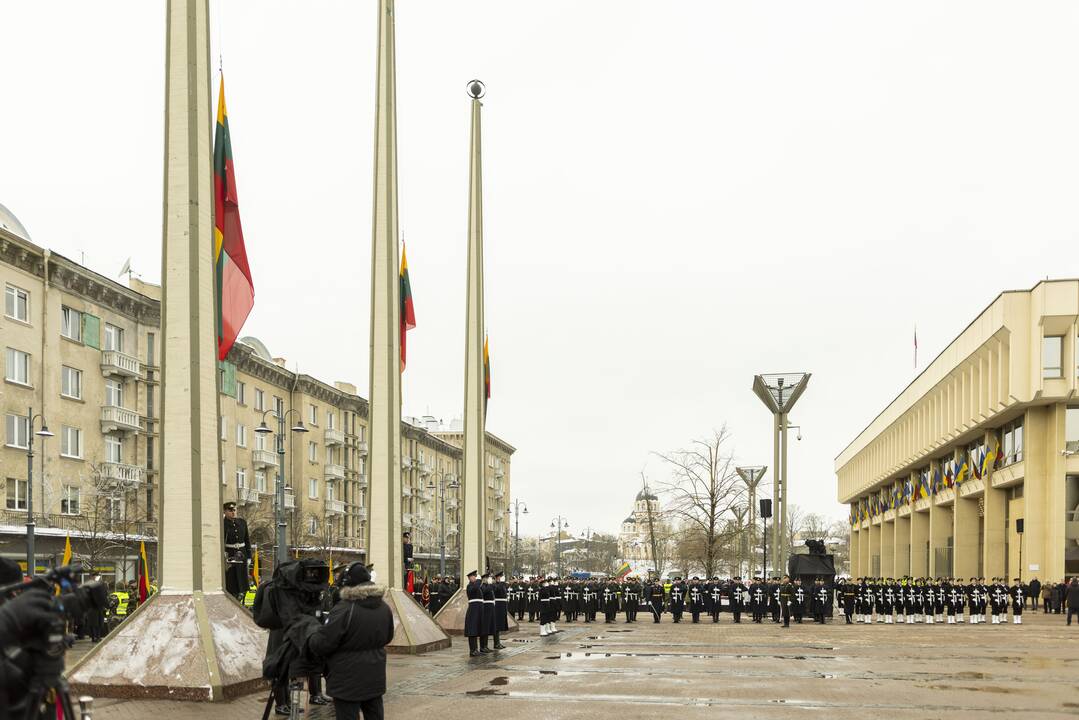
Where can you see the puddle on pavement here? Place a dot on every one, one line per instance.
(484, 691)
(968, 675)
(502, 680)
(548, 672)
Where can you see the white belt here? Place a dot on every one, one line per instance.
(490, 601)
(472, 601)
(234, 545)
(499, 600)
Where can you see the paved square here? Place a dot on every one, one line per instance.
(747, 671)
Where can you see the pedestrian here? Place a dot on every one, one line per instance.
(1034, 592)
(1072, 598)
(352, 645)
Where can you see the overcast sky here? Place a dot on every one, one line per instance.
(678, 195)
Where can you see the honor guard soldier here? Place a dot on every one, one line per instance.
(930, 603)
(631, 597)
(819, 601)
(610, 601)
(655, 599)
(589, 603)
(798, 605)
(237, 551)
(474, 629)
(487, 591)
(773, 599)
(696, 599)
(888, 601)
(739, 598)
(501, 621)
(712, 591)
(532, 599)
(1018, 598)
(678, 599)
(758, 599)
(786, 599)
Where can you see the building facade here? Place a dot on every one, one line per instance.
(973, 470)
(634, 538)
(84, 353)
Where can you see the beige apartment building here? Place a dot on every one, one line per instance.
(973, 470)
(83, 351)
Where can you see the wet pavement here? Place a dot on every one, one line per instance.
(644, 670)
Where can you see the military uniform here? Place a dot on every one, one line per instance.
(631, 599)
(655, 599)
(237, 552)
(474, 627)
(678, 600)
(739, 598)
(1018, 595)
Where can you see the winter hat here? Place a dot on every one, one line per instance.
(356, 574)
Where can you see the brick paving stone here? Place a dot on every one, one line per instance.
(644, 670)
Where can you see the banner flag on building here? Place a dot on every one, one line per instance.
(486, 376)
(331, 568)
(255, 568)
(408, 310)
(67, 552)
(235, 291)
(961, 472)
(144, 573)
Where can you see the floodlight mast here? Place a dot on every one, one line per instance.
(752, 476)
(779, 392)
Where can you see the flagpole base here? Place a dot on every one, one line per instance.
(414, 630)
(201, 646)
(451, 618)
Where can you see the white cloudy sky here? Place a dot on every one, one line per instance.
(679, 195)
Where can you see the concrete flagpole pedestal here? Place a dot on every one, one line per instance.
(190, 641)
(414, 630)
(474, 503)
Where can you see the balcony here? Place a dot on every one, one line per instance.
(122, 474)
(264, 458)
(500, 473)
(451, 529)
(451, 503)
(425, 494)
(425, 469)
(361, 447)
(333, 436)
(491, 483)
(248, 496)
(406, 519)
(290, 501)
(335, 507)
(406, 462)
(114, 363)
(118, 419)
(361, 513)
(499, 494)
(334, 472)
(362, 480)
(406, 491)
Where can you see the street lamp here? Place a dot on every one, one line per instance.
(281, 549)
(31, 562)
(442, 485)
(519, 508)
(586, 535)
(752, 476)
(558, 524)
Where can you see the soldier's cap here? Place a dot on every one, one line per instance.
(229, 506)
(737, 578)
(473, 574)
(1015, 580)
(485, 575)
(696, 578)
(499, 574)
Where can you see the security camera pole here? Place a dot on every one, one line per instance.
(779, 392)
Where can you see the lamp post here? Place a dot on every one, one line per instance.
(518, 508)
(751, 476)
(558, 524)
(586, 535)
(31, 562)
(281, 547)
(442, 484)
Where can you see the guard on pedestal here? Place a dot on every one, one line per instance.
(237, 552)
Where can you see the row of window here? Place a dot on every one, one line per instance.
(70, 500)
(17, 435)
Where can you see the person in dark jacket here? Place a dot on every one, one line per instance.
(501, 623)
(352, 645)
(474, 628)
(1072, 598)
(294, 592)
(1034, 591)
(487, 589)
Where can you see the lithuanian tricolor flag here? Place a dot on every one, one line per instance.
(235, 291)
(408, 311)
(623, 571)
(144, 574)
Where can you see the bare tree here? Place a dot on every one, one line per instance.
(704, 489)
(838, 539)
(657, 530)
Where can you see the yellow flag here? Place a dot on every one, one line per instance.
(67, 552)
(331, 568)
(255, 567)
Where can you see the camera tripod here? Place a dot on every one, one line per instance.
(49, 696)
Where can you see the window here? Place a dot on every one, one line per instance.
(18, 431)
(149, 503)
(17, 369)
(312, 525)
(260, 400)
(224, 427)
(114, 393)
(69, 500)
(1071, 429)
(312, 488)
(241, 477)
(331, 420)
(313, 415)
(278, 406)
(71, 382)
(114, 449)
(1052, 356)
(329, 456)
(329, 492)
(70, 442)
(260, 480)
(16, 494)
(241, 435)
(312, 452)
(150, 349)
(17, 303)
(71, 323)
(1013, 441)
(260, 441)
(114, 338)
(241, 392)
(114, 509)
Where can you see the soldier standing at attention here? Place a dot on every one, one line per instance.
(798, 606)
(757, 599)
(474, 616)
(678, 602)
(631, 595)
(237, 552)
(696, 599)
(655, 599)
(739, 598)
(786, 599)
(501, 622)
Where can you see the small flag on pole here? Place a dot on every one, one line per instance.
(408, 311)
(255, 567)
(67, 552)
(486, 376)
(144, 574)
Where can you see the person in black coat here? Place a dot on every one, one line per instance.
(1072, 598)
(474, 628)
(1034, 591)
(487, 590)
(352, 645)
(501, 621)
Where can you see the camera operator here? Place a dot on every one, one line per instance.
(352, 644)
(294, 592)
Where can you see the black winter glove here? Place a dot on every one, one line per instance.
(29, 614)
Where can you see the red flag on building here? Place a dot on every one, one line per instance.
(144, 574)
(408, 311)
